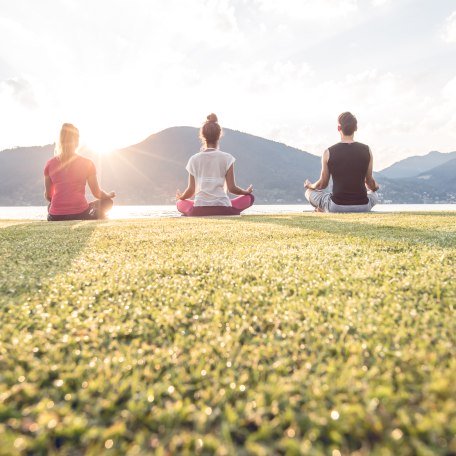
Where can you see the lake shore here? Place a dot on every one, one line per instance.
(159, 211)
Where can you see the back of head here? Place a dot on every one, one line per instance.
(68, 142)
(348, 123)
(211, 131)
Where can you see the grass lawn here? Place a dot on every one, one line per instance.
(305, 334)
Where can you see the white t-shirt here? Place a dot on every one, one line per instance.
(209, 169)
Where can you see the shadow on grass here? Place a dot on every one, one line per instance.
(34, 251)
(370, 231)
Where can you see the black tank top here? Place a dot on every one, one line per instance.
(348, 163)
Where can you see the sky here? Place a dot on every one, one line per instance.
(122, 70)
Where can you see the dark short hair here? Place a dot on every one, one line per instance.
(348, 123)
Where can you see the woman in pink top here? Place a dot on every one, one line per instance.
(65, 179)
(210, 175)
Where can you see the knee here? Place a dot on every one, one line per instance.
(373, 198)
(102, 206)
(184, 206)
(107, 203)
(252, 199)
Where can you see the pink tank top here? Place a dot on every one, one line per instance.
(68, 184)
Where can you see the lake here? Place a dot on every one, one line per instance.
(132, 212)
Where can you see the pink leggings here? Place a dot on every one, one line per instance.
(238, 204)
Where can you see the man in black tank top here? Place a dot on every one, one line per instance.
(350, 165)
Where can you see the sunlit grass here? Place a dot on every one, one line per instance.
(306, 334)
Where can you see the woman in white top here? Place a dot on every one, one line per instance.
(208, 172)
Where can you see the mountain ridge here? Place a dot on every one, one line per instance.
(150, 171)
(416, 164)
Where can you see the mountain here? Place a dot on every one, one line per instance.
(414, 166)
(21, 175)
(437, 185)
(151, 171)
(443, 176)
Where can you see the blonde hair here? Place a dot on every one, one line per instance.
(211, 131)
(68, 142)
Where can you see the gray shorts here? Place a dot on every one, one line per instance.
(322, 200)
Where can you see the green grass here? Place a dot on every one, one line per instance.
(304, 334)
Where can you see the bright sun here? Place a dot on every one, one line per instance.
(97, 146)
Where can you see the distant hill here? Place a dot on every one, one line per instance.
(435, 185)
(413, 166)
(441, 176)
(21, 175)
(150, 171)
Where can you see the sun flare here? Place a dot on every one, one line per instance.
(94, 146)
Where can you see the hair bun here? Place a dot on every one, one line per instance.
(212, 118)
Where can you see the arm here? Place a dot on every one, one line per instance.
(231, 184)
(97, 192)
(48, 188)
(189, 191)
(371, 184)
(323, 182)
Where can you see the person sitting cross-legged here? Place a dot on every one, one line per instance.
(210, 174)
(65, 178)
(350, 164)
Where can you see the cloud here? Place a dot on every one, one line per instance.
(449, 90)
(300, 108)
(449, 29)
(310, 10)
(123, 70)
(20, 90)
(381, 2)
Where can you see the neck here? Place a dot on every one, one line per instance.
(211, 146)
(346, 139)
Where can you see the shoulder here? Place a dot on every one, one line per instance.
(86, 164)
(226, 155)
(227, 159)
(330, 151)
(194, 157)
(363, 146)
(366, 151)
(86, 161)
(193, 162)
(52, 162)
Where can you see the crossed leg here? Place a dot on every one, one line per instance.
(238, 205)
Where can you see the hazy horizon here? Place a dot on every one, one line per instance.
(377, 168)
(282, 71)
